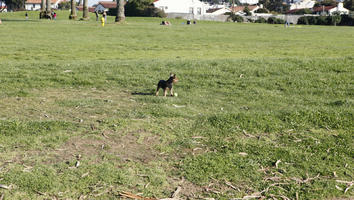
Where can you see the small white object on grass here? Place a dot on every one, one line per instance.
(175, 94)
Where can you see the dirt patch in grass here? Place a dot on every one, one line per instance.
(126, 147)
(67, 104)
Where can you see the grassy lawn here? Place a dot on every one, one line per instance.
(262, 110)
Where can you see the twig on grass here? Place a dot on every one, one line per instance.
(348, 183)
(175, 194)
(348, 188)
(308, 179)
(85, 174)
(233, 187)
(2, 196)
(277, 163)
(104, 192)
(4, 187)
(82, 197)
(133, 196)
(104, 135)
(40, 193)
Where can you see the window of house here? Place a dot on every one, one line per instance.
(199, 11)
(166, 8)
(191, 10)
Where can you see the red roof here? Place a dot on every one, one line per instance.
(293, 10)
(321, 8)
(108, 4)
(241, 8)
(211, 10)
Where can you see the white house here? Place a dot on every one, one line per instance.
(330, 10)
(194, 7)
(3, 7)
(36, 4)
(302, 4)
(105, 6)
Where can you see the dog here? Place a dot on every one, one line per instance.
(164, 84)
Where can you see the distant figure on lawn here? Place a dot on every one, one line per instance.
(102, 20)
(26, 16)
(188, 22)
(165, 23)
(0, 21)
(55, 16)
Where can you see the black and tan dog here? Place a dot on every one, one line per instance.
(164, 84)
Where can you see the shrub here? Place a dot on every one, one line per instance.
(261, 20)
(342, 20)
(274, 20)
(247, 11)
(64, 5)
(262, 10)
(302, 11)
(235, 18)
(322, 20)
(347, 20)
(303, 20)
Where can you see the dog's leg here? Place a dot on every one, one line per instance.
(171, 92)
(157, 91)
(164, 92)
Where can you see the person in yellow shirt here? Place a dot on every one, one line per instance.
(102, 21)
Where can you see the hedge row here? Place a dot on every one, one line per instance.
(342, 20)
(270, 20)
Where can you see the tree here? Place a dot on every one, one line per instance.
(73, 10)
(275, 5)
(42, 5)
(349, 4)
(120, 17)
(85, 14)
(247, 11)
(15, 5)
(326, 3)
(48, 9)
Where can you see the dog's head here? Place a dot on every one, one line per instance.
(174, 78)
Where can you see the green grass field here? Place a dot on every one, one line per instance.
(262, 110)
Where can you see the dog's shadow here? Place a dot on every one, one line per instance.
(143, 93)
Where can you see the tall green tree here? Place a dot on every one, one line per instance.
(349, 4)
(15, 5)
(85, 14)
(120, 16)
(73, 15)
(48, 8)
(42, 5)
(275, 5)
(326, 3)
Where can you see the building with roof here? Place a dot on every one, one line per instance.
(330, 10)
(105, 6)
(217, 11)
(36, 4)
(302, 4)
(193, 7)
(238, 10)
